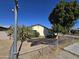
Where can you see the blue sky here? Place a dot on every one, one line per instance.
(30, 12)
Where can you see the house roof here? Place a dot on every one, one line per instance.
(39, 25)
(3, 28)
(75, 29)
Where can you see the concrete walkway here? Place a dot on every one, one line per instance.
(74, 49)
(64, 55)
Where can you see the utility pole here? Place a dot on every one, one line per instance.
(14, 48)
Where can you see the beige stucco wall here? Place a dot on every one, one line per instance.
(41, 30)
(4, 35)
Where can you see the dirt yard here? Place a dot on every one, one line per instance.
(41, 51)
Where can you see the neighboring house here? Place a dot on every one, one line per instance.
(75, 31)
(3, 33)
(3, 28)
(42, 30)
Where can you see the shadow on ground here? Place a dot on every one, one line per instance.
(42, 41)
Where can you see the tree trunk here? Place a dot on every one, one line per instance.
(19, 50)
(57, 40)
(57, 37)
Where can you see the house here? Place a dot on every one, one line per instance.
(3, 33)
(42, 30)
(3, 28)
(75, 31)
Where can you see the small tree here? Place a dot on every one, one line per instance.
(24, 33)
(22, 36)
(10, 31)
